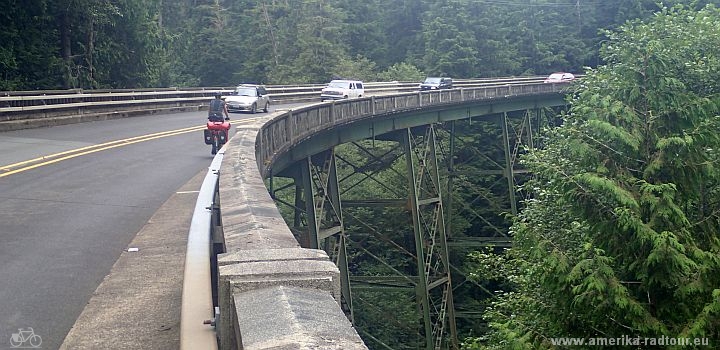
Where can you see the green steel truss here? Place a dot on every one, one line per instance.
(416, 170)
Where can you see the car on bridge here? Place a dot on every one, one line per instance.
(436, 83)
(342, 89)
(560, 77)
(248, 97)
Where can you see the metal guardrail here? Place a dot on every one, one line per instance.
(197, 295)
(19, 105)
(59, 105)
(274, 89)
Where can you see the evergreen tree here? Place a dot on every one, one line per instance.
(129, 51)
(28, 49)
(450, 45)
(211, 50)
(622, 236)
(402, 72)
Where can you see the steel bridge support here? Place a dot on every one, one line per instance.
(434, 287)
(501, 172)
(319, 192)
(415, 171)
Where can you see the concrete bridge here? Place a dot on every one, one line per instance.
(281, 286)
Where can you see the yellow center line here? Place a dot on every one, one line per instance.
(101, 147)
(15, 165)
(123, 143)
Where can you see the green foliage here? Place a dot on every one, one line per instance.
(389, 317)
(622, 236)
(402, 71)
(145, 43)
(28, 51)
(450, 46)
(131, 45)
(360, 68)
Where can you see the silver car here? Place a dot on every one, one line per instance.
(247, 97)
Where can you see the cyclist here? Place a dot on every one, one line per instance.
(217, 109)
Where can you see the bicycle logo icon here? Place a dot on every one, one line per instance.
(25, 339)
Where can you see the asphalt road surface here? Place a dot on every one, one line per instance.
(65, 220)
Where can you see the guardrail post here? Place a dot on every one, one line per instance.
(260, 146)
(288, 126)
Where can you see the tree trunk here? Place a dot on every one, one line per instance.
(65, 47)
(272, 35)
(89, 54)
(160, 15)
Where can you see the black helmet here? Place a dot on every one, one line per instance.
(217, 95)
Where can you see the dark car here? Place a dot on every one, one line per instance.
(434, 83)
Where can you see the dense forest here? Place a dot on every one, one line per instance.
(620, 236)
(48, 44)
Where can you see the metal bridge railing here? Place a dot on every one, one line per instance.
(285, 130)
(197, 315)
(20, 105)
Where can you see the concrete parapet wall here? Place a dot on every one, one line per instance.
(249, 216)
(293, 318)
(267, 270)
(272, 293)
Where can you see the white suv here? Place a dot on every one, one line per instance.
(342, 89)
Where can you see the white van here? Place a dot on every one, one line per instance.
(342, 89)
